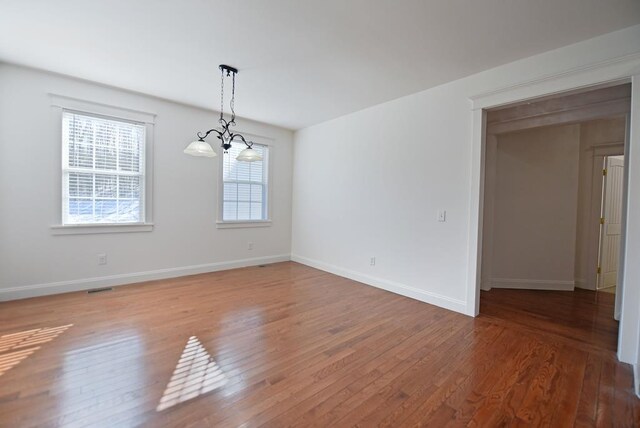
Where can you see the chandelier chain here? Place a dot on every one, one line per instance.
(221, 95)
(233, 97)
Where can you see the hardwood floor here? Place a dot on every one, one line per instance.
(288, 345)
(583, 316)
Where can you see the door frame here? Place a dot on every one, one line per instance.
(613, 72)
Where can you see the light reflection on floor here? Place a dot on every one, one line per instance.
(252, 319)
(96, 369)
(195, 374)
(15, 347)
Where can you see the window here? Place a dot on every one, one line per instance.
(103, 170)
(244, 186)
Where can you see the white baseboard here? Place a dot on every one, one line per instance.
(533, 284)
(394, 287)
(22, 292)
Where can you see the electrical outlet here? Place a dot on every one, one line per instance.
(250, 246)
(102, 259)
(373, 261)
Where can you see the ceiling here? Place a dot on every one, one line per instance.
(301, 62)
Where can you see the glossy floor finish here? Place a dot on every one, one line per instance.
(288, 345)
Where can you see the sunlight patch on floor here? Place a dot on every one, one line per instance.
(195, 374)
(15, 347)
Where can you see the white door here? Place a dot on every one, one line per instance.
(611, 227)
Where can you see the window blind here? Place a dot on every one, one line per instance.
(103, 170)
(244, 185)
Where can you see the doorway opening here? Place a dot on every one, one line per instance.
(611, 223)
(552, 219)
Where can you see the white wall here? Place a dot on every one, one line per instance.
(370, 183)
(535, 206)
(184, 239)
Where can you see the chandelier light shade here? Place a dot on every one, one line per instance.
(249, 155)
(201, 148)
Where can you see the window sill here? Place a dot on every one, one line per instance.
(242, 224)
(90, 229)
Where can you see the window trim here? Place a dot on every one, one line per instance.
(59, 104)
(237, 224)
(91, 229)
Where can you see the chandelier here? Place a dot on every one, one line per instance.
(201, 148)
